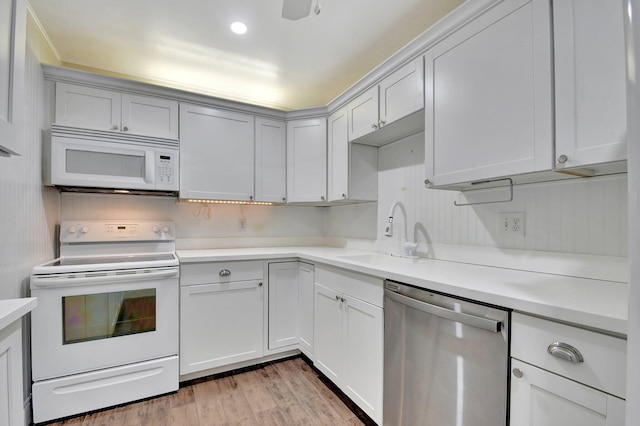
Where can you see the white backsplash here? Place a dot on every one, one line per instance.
(586, 216)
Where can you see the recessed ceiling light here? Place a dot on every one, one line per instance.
(238, 28)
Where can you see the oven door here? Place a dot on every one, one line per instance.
(91, 321)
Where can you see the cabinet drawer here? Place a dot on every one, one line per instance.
(363, 287)
(604, 365)
(220, 272)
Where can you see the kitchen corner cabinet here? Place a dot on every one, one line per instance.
(123, 113)
(307, 160)
(291, 306)
(271, 160)
(348, 338)
(221, 314)
(13, 24)
(488, 96)
(547, 389)
(400, 94)
(216, 154)
(590, 81)
(352, 169)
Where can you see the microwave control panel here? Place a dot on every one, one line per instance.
(166, 168)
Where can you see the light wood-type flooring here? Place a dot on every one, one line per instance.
(289, 392)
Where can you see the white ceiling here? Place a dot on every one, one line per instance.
(279, 63)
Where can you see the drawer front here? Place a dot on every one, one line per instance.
(220, 272)
(604, 357)
(360, 286)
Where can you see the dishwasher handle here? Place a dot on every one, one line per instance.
(472, 320)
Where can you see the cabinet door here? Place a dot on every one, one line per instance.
(488, 96)
(363, 114)
(402, 92)
(88, 107)
(328, 332)
(590, 80)
(307, 160)
(11, 403)
(13, 23)
(363, 333)
(149, 116)
(216, 154)
(305, 308)
(338, 156)
(541, 398)
(271, 161)
(220, 324)
(283, 304)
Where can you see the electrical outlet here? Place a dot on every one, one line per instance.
(512, 224)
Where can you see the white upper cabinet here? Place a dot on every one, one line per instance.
(589, 82)
(216, 154)
(352, 169)
(488, 97)
(13, 23)
(106, 110)
(307, 160)
(271, 160)
(397, 96)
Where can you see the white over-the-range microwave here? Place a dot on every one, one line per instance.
(81, 158)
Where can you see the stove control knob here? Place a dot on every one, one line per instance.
(73, 229)
(155, 229)
(84, 229)
(165, 229)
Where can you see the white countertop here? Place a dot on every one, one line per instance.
(591, 303)
(13, 309)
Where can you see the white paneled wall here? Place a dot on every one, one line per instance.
(586, 216)
(28, 211)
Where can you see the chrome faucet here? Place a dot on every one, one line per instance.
(407, 247)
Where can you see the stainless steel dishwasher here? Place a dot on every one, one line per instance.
(446, 360)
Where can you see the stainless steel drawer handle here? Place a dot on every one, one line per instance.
(565, 351)
(225, 273)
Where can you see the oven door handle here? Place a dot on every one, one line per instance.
(101, 278)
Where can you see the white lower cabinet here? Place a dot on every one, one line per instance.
(348, 338)
(221, 314)
(584, 384)
(11, 374)
(291, 306)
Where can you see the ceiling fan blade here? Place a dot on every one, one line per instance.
(295, 9)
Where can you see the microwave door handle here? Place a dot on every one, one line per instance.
(149, 166)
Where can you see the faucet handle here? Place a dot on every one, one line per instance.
(409, 248)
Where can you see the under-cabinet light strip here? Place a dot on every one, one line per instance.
(252, 203)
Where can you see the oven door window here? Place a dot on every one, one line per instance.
(105, 163)
(106, 315)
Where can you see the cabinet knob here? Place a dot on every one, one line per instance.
(259, 284)
(518, 373)
(344, 195)
(427, 182)
(565, 351)
(337, 297)
(125, 129)
(381, 123)
(225, 273)
(322, 197)
(562, 159)
(374, 126)
(284, 199)
(114, 127)
(251, 197)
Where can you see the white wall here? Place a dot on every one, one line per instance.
(205, 225)
(586, 216)
(28, 211)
